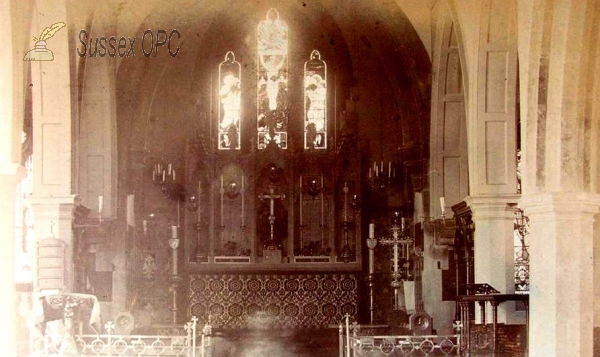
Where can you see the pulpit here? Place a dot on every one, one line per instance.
(484, 337)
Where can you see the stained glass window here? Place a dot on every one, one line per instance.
(315, 102)
(229, 103)
(521, 251)
(272, 81)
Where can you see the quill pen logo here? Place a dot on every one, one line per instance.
(40, 52)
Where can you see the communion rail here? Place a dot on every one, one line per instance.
(115, 345)
(351, 344)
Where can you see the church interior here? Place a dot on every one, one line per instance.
(300, 178)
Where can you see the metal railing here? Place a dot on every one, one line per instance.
(114, 345)
(351, 344)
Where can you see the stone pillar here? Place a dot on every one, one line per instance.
(561, 246)
(9, 176)
(52, 199)
(494, 249)
(8, 327)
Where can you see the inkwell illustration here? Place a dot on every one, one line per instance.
(40, 52)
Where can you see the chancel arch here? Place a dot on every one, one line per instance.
(421, 103)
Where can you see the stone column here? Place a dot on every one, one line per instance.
(52, 199)
(494, 249)
(561, 246)
(8, 327)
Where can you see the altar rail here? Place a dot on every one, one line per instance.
(113, 345)
(351, 344)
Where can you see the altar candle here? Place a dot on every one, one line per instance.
(169, 169)
(174, 175)
(442, 204)
(402, 222)
(347, 335)
(100, 203)
(145, 225)
(163, 178)
(372, 230)
(178, 214)
(221, 181)
(390, 169)
(174, 232)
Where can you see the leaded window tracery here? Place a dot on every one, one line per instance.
(229, 103)
(315, 102)
(272, 81)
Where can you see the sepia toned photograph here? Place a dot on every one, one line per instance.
(300, 178)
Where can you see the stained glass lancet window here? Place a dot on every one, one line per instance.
(272, 81)
(315, 102)
(521, 251)
(229, 103)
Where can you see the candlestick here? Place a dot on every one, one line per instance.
(199, 216)
(301, 202)
(243, 203)
(174, 232)
(345, 201)
(175, 261)
(395, 257)
(222, 208)
(372, 230)
(442, 204)
(322, 204)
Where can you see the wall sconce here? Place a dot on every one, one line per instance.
(231, 190)
(355, 204)
(192, 203)
(313, 188)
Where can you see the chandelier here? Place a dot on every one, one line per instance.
(381, 176)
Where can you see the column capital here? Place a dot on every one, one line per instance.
(568, 204)
(11, 169)
(493, 206)
(51, 200)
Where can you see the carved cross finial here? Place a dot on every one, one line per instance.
(188, 326)
(109, 326)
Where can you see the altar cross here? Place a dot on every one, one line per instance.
(272, 196)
